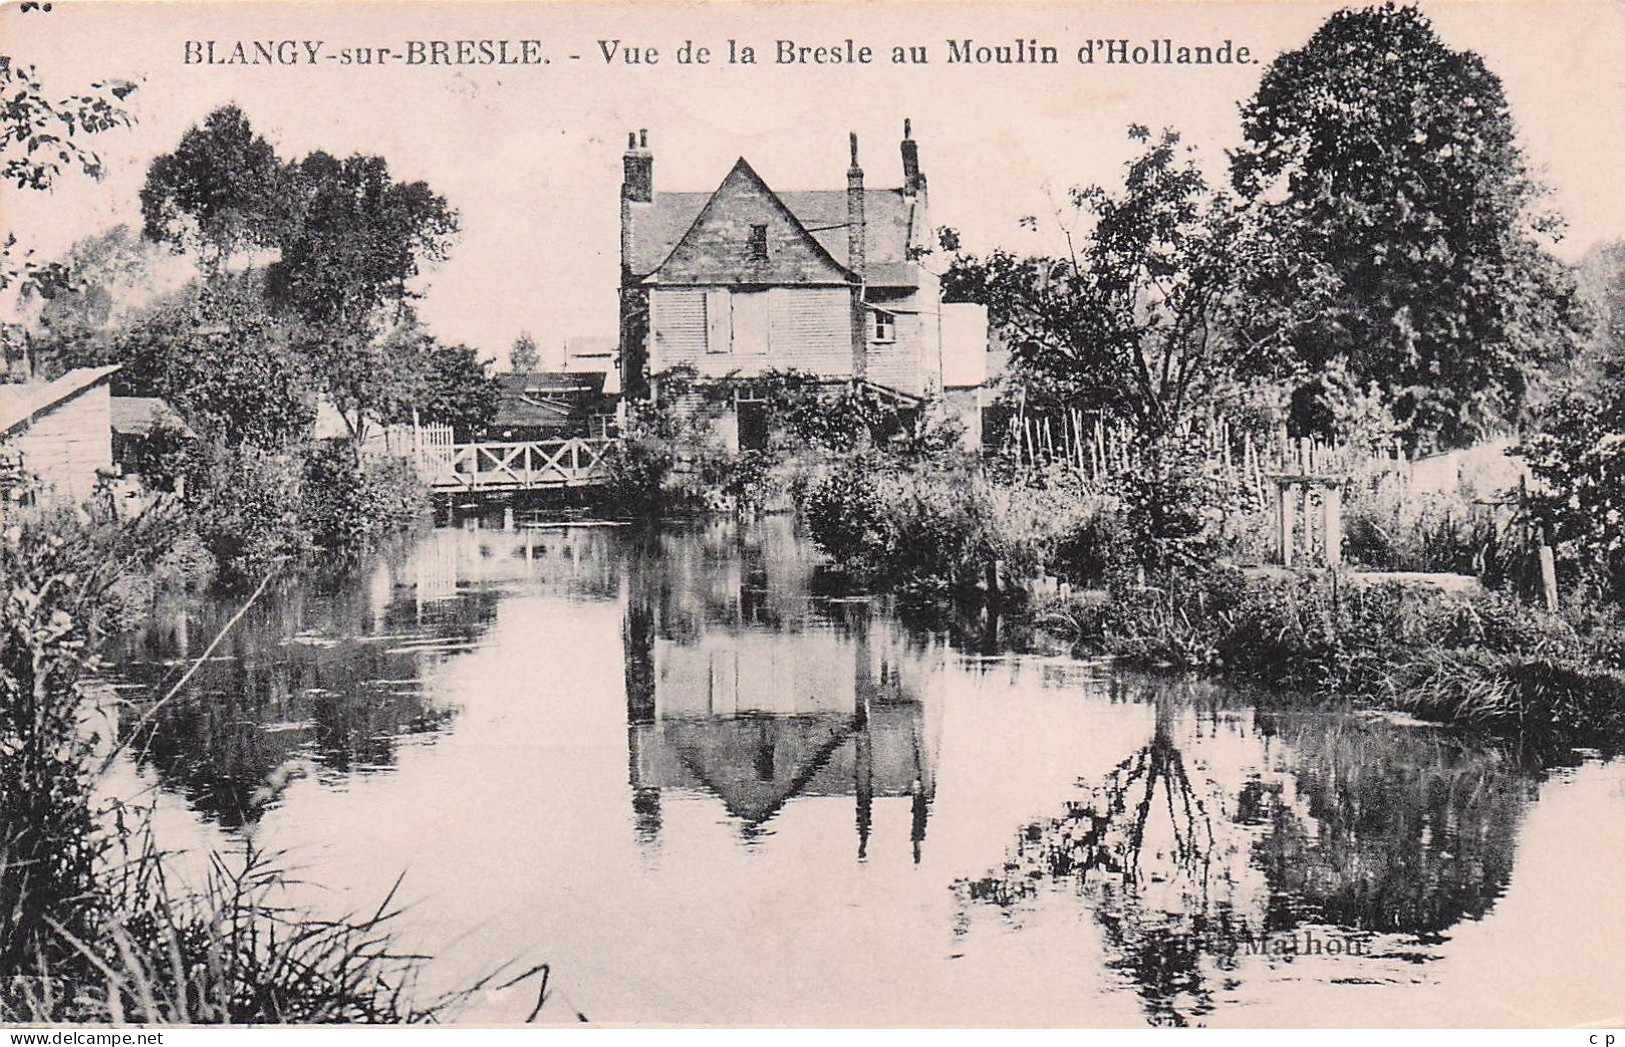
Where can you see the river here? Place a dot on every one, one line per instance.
(706, 790)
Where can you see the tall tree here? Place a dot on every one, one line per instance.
(1402, 229)
(358, 240)
(524, 356)
(347, 242)
(449, 385)
(346, 269)
(221, 191)
(111, 270)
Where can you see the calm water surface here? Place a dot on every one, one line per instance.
(704, 792)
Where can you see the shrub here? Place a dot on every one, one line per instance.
(1484, 661)
(1057, 527)
(186, 566)
(666, 461)
(347, 503)
(1173, 510)
(1388, 529)
(936, 525)
(1578, 456)
(920, 529)
(244, 504)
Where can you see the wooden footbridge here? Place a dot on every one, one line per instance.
(533, 465)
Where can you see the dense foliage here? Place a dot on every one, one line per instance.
(1579, 458)
(343, 244)
(1397, 224)
(1485, 661)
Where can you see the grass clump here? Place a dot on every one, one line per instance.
(1482, 660)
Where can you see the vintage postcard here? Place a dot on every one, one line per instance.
(909, 514)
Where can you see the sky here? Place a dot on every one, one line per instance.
(530, 155)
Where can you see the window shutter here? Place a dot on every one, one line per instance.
(719, 317)
(680, 322)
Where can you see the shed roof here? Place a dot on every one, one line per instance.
(545, 398)
(550, 383)
(20, 405)
(136, 415)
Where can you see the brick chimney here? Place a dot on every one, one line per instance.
(856, 231)
(856, 250)
(637, 197)
(913, 180)
(638, 184)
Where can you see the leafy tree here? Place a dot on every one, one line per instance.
(1601, 277)
(1135, 321)
(348, 240)
(1397, 224)
(1578, 450)
(75, 319)
(444, 384)
(357, 241)
(345, 271)
(524, 356)
(220, 192)
(40, 138)
(1578, 457)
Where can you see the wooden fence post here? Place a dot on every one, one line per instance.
(1548, 571)
(1285, 506)
(1331, 503)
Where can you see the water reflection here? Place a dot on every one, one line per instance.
(1234, 842)
(643, 740)
(721, 702)
(328, 676)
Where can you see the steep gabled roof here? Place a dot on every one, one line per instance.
(889, 217)
(708, 245)
(886, 218)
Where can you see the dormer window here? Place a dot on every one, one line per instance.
(882, 326)
(758, 243)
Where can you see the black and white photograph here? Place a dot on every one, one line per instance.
(914, 515)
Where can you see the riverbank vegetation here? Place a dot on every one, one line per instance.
(96, 924)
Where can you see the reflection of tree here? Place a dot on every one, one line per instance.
(314, 680)
(1350, 824)
(1141, 846)
(1393, 830)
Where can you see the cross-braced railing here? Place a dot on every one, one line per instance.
(524, 466)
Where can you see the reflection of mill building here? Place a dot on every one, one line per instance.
(733, 710)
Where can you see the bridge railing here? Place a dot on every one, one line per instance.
(518, 466)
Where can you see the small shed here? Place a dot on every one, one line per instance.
(549, 405)
(61, 431)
